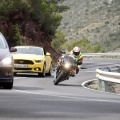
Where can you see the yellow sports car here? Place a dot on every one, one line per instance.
(32, 59)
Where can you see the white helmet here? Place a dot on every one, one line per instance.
(76, 50)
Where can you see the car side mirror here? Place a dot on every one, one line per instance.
(12, 49)
(48, 54)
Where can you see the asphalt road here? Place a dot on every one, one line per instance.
(35, 98)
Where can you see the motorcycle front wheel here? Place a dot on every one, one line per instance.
(58, 78)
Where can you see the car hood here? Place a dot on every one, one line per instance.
(28, 56)
(4, 53)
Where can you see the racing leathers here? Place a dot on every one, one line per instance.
(78, 59)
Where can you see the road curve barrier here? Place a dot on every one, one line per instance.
(102, 55)
(107, 74)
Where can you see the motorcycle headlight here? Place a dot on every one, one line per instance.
(7, 61)
(67, 65)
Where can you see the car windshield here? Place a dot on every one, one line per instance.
(2, 42)
(30, 50)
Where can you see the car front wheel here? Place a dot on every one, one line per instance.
(49, 73)
(8, 85)
(15, 73)
(43, 72)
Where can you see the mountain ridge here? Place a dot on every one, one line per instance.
(99, 21)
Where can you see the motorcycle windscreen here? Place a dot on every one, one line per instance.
(69, 59)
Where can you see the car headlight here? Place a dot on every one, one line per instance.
(38, 61)
(67, 65)
(7, 61)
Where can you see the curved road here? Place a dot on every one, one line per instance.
(34, 98)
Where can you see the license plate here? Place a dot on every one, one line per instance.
(20, 66)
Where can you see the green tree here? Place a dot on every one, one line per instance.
(84, 45)
(10, 7)
(58, 40)
(46, 13)
(16, 35)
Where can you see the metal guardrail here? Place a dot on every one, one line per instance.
(102, 55)
(108, 74)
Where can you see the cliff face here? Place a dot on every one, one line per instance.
(30, 32)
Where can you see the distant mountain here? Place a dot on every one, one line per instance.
(97, 20)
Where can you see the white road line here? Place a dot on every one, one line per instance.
(19, 77)
(83, 84)
(69, 97)
(87, 71)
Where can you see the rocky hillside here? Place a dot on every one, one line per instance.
(97, 20)
(28, 22)
(30, 32)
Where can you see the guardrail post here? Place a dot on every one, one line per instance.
(107, 74)
(106, 86)
(99, 84)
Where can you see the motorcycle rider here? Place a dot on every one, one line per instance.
(67, 65)
(76, 53)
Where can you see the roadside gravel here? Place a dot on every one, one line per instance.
(113, 87)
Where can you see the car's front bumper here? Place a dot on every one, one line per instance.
(6, 74)
(24, 68)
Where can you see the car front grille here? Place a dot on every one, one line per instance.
(23, 62)
(22, 68)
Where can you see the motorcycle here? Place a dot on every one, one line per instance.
(65, 69)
